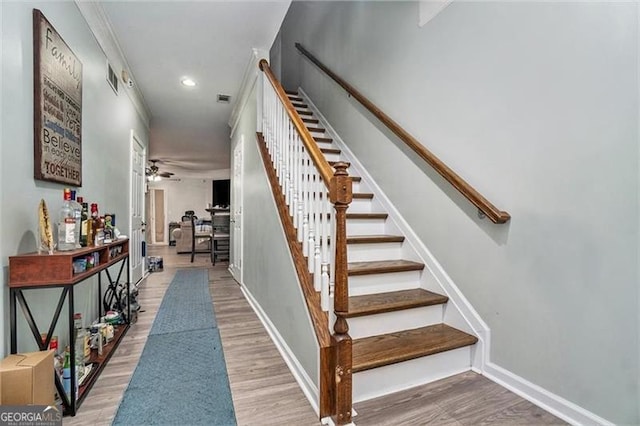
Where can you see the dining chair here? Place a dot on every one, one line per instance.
(201, 235)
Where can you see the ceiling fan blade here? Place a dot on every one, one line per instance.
(165, 174)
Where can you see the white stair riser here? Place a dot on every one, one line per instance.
(322, 144)
(391, 322)
(359, 205)
(365, 226)
(373, 252)
(380, 283)
(404, 375)
(329, 156)
(357, 187)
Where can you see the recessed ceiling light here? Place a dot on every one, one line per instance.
(188, 82)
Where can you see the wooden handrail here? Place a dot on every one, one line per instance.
(492, 212)
(324, 168)
(336, 374)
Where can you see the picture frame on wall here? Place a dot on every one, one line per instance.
(57, 96)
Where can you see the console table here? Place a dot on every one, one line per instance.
(36, 271)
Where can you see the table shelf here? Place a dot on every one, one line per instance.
(33, 271)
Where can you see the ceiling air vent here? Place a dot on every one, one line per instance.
(224, 99)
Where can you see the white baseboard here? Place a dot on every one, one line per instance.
(556, 405)
(304, 381)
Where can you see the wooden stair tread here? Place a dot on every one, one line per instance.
(294, 98)
(291, 92)
(330, 150)
(362, 195)
(319, 139)
(382, 267)
(358, 195)
(355, 178)
(393, 301)
(374, 239)
(304, 112)
(367, 215)
(385, 349)
(310, 120)
(316, 129)
(299, 105)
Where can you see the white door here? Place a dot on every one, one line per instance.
(235, 261)
(136, 221)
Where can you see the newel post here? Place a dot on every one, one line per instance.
(341, 195)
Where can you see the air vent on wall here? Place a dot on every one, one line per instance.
(224, 99)
(112, 78)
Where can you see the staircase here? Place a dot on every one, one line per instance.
(396, 314)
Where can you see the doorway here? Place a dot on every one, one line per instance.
(156, 216)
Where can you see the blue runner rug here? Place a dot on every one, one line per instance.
(181, 378)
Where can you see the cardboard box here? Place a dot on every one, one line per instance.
(27, 379)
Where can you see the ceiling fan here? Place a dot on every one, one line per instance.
(153, 173)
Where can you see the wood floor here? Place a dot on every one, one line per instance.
(263, 389)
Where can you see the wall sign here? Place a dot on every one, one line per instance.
(57, 97)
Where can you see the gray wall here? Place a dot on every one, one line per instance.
(536, 105)
(107, 122)
(268, 270)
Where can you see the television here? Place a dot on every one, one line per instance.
(221, 193)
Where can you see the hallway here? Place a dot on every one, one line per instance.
(264, 390)
(260, 381)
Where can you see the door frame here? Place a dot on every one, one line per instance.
(236, 238)
(135, 140)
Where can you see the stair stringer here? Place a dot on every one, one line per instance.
(458, 312)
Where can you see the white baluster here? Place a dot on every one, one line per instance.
(296, 179)
(287, 159)
(299, 182)
(332, 254)
(326, 206)
(279, 166)
(317, 267)
(312, 222)
(305, 203)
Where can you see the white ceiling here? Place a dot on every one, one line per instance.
(209, 41)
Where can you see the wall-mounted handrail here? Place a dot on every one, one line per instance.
(487, 208)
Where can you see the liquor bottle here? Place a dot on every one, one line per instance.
(91, 225)
(84, 216)
(94, 211)
(66, 224)
(79, 344)
(77, 212)
(66, 372)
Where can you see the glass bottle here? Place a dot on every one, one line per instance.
(84, 216)
(77, 212)
(66, 224)
(79, 344)
(66, 371)
(91, 225)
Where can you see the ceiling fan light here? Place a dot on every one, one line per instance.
(188, 82)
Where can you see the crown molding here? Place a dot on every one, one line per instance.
(100, 26)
